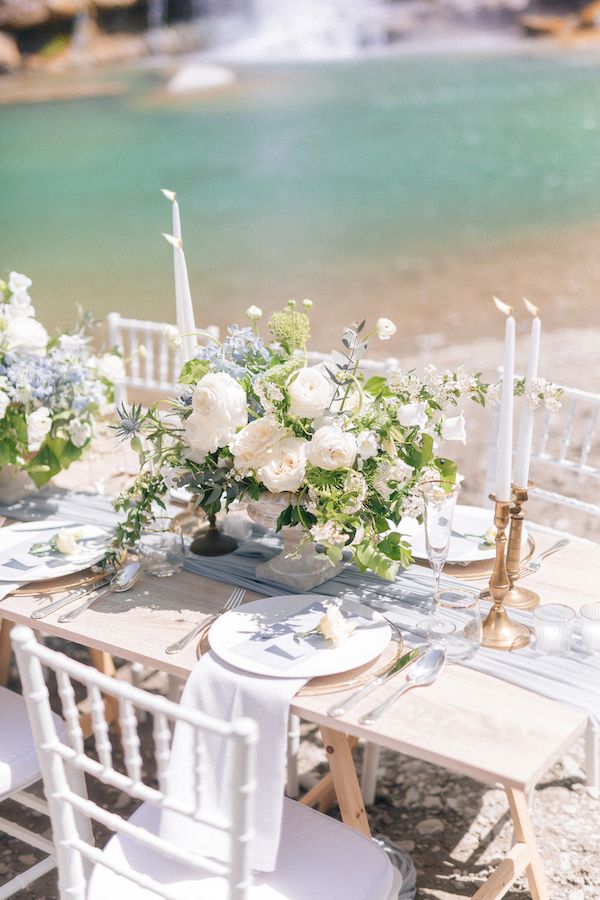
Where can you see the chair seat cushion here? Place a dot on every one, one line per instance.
(18, 759)
(319, 857)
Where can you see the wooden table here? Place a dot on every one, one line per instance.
(468, 722)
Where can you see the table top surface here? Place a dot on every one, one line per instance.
(467, 721)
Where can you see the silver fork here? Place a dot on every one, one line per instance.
(534, 565)
(234, 601)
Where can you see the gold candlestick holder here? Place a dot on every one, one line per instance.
(499, 631)
(518, 597)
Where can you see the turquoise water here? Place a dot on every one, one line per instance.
(299, 181)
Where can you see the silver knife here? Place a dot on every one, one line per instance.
(340, 709)
(76, 595)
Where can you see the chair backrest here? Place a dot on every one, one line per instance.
(564, 441)
(151, 355)
(69, 810)
(369, 366)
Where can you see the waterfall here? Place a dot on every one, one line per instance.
(307, 29)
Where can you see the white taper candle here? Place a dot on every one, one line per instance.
(521, 477)
(505, 429)
(183, 298)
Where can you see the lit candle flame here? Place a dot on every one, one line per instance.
(170, 195)
(534, 310)
(174, 241)
(503, 307)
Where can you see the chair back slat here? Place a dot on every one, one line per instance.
(589, 438)
(72, 811)
(567, 430)
(544, 433)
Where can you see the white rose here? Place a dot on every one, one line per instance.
(367, 444)
(385, 329)
(4, 401)
(413, 414)
(286, 467)
(66, 541)
(254, 313)
(25, 333)
(111, 367)
(331, 448)
(39, 424)
(79, 432)
(454, 429)
(251, 445)
(219, 409)
(20, 305)
(18, 284)
(310, 393)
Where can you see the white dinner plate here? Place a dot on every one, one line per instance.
(470, 521)
(233, 637)
(17, 564)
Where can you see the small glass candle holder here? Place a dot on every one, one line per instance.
(161, 547)
(590, 627)
(552, 627)
(455, 624)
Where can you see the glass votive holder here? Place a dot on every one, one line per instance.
(455, 624)
(590, 627)
(552, 628)
(161, 547)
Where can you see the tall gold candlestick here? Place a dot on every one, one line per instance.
(499, 632)
(518, 597)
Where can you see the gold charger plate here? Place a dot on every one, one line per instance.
(477, 571)
(85, 578)
(342, 681)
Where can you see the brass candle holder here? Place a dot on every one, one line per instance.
(518, 597)
(499, 631)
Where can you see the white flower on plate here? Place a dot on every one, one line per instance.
(412, 414)
(331, 448)
(18, 283)
(489, 535)
(111, 367)
(39, 424)
(219, 409)
(252, 444)
(385, 329)
(389, 473)
(334, 627)
(286, 466)
(454, 429)
(367, 444)
(67, 541)
(310, 393)
(79, 432)
(25, 333)
(254, 313)
(4, 401)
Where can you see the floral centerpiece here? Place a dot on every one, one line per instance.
(342, 454)
(51, 389)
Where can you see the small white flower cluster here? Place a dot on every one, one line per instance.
(329, 533)
(544, 394)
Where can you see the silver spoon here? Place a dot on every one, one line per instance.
(121, 581)
(423, 673)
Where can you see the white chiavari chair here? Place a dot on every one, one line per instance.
(151, 356)
(137, 863)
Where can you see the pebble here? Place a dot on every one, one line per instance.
(430, 826)
(412, 795)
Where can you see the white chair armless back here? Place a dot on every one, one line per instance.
(69, 809)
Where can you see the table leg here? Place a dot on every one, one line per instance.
(5, 650)
(347, 788)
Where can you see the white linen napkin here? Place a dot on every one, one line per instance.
(224, 692)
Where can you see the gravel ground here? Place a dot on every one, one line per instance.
(455, 829)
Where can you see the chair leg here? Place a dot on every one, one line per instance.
(5, 651)
(22, 881)
(292, 788)
(592, 759)
(368, 777)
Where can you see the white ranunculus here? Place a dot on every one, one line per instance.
(251, 445)
(413, 414)
(25, 333)
(335, 627)
(111, 367)
(66, 541)
(454, 429)
(18, 283)
(385, 329)
(310, 393)
(254, 313)
(286, 466)
(367, 444)
(219, 410)
(4, 401)
(331, 448)
(39, 424)
(79, 432)
(20, 305)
